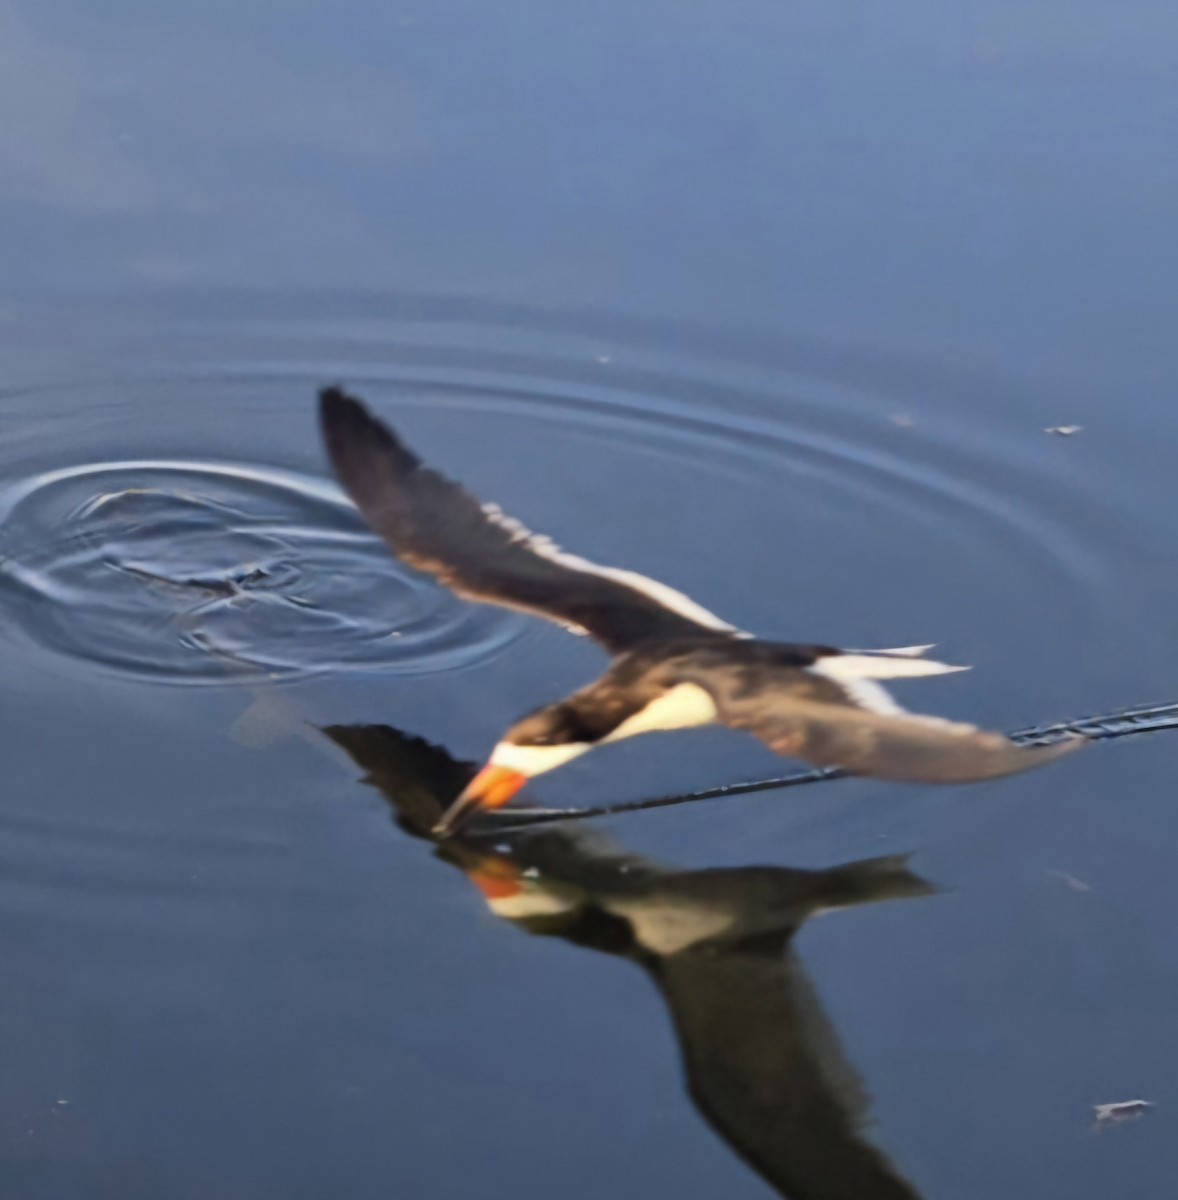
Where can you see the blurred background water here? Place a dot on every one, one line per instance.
(771, 302)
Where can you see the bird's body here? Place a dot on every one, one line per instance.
(675, 664)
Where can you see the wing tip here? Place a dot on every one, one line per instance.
(1008, 757)
(338, 407)
(965, 754)
(1040, 755)
(349, 429)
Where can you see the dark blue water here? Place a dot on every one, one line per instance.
(772, 302)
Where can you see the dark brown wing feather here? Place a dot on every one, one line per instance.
(439, 528)
(787, 712)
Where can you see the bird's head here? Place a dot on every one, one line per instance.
(558, 733)
(541, 742)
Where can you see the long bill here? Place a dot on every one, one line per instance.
(491, 788)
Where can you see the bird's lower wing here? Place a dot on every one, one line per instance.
(437, 527)
(902, 747)
(837, 732)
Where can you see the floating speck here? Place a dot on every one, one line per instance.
(1077, 885)
(1120, 1112)
(1063, 430)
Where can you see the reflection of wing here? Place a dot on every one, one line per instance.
(440, 528)
(766, 1070)
(838, 733)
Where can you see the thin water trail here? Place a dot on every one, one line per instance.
(1122, 723)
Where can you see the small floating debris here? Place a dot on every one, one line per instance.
(1077, 885)
(1063, 430)
(1120, 1113)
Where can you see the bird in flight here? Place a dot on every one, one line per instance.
(674, 665)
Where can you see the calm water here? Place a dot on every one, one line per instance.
(771, 302)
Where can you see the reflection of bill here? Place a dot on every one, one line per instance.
(763, 1064)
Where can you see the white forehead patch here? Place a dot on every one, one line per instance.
(535, 760)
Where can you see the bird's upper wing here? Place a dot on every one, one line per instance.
(834, 722)
(438, 527)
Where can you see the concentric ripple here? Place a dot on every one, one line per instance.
(178, 570)
(763, 478)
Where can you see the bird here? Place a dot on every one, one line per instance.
(762, 1060)
(675, 664)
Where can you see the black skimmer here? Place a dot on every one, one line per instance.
(675, 664)
(763, 1063)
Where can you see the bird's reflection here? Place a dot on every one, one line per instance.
(762, 1062)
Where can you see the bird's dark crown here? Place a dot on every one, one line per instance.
(554, 725)
(580, 719)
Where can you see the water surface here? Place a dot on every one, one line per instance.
(774, 304)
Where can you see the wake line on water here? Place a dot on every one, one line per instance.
(1122, 723)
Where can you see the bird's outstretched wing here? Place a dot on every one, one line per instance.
(838, 723)
(438, 527)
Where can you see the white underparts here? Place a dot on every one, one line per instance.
(668, 597)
